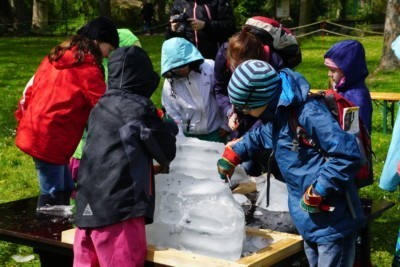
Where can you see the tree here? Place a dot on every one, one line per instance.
(305, 12)
(392, 30)
(105, 8)
(40, 14)
(7, 17)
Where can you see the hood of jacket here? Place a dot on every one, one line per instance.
(177, 52)
(126, 38)
(349, 56)
(130, 69)
(294, 90)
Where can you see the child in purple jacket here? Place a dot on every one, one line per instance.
(348, 71)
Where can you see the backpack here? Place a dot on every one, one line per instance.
(274, 35)
(338, 105)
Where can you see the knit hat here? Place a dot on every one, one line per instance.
(396, 47)
(253, 84)
(101, 29)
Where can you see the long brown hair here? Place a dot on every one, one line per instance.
(243, 46)
(83, 44)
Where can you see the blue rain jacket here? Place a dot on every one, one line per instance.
(349, 56)
(332, 178)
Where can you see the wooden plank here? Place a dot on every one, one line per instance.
(245, 187)
(173, 257)
(286, 245)
(388, 96)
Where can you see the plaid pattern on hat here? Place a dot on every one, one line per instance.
(253, 84)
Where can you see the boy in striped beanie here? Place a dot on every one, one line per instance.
(322, 195)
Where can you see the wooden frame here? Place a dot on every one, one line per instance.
(287, 245)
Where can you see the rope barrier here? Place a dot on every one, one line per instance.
(323, 22)
(325, 30)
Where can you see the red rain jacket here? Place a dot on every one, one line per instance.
(56, 107)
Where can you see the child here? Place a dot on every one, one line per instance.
(323, 197)
(390, 177)
(126, 38)
(348, 71)
(188, 95)
(55, 108)
(115, 196)
(241, 47)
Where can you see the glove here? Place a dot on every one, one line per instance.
(312, 202)
(226, 165)
(160, 169)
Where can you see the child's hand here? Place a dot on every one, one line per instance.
(233, 121)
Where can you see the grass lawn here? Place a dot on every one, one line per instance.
(20, 57)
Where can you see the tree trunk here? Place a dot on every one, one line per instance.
(105, 8)
(305, 13)
(392, 30)
(7, 17)
(21, 11)
(40, 13)
(343, 10)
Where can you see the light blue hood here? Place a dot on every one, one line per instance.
(177, 52)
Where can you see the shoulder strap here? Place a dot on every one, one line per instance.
(300, 135)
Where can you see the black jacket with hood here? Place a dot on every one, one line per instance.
(116, 179)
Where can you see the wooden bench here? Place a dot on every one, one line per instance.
(386, 98)
(382, 99)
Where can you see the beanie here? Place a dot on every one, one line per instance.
(253, 84)
(101, 29)
(396, 47)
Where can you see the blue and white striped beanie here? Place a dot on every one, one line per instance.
(253, 84)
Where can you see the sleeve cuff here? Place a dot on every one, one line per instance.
(231, 156)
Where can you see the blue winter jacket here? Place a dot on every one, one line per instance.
(333, 178)
(349, 56)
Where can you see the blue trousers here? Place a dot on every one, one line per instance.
(53, 178)
(338, 253)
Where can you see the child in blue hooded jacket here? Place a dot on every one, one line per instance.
(348, 71)
(188, 95)
(322, 195)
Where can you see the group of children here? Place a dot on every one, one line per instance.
(243, 97)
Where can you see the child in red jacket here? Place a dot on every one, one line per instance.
(52, 116)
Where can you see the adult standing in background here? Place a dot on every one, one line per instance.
(205, 23)
(147, 14)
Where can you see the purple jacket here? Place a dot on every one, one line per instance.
(349, 56)
(222, 74)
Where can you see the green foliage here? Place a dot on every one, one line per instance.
(20, 58)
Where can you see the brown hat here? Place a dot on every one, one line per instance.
(101, 29)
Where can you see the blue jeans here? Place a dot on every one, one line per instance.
(331, 254)
(53, 178)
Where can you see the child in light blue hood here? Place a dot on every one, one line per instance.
(187, 94)
(390, 177)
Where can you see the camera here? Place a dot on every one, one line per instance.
(181, 19)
